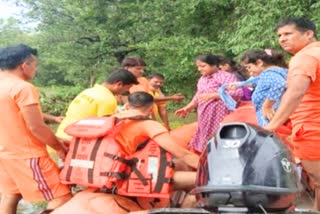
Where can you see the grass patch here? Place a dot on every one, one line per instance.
(177, 121)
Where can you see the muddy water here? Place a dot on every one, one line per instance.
(27, 208)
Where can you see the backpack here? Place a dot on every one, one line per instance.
(95, 159)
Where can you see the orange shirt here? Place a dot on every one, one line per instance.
(306, 118)
(307, 63)
(135, 132)
(142, 86)
(16, 141)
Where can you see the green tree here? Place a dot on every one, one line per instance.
(82, 40)
(11, 32)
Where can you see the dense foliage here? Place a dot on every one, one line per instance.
(55, 99)
(80, 41)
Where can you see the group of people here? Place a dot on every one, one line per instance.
(283, 93)
(24, 159)
(279, 93)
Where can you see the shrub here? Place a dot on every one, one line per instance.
(55, 99)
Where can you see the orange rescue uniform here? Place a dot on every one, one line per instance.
(135, 132)
(306, 118)
(25, 166)
(142, 86)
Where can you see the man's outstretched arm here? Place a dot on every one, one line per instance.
(166, 142)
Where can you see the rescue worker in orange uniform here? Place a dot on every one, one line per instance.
(131, 135)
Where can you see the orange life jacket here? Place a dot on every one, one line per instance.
(157, 168)
(95, 159)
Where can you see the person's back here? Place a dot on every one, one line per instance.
(95, 101)
(137, 131)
